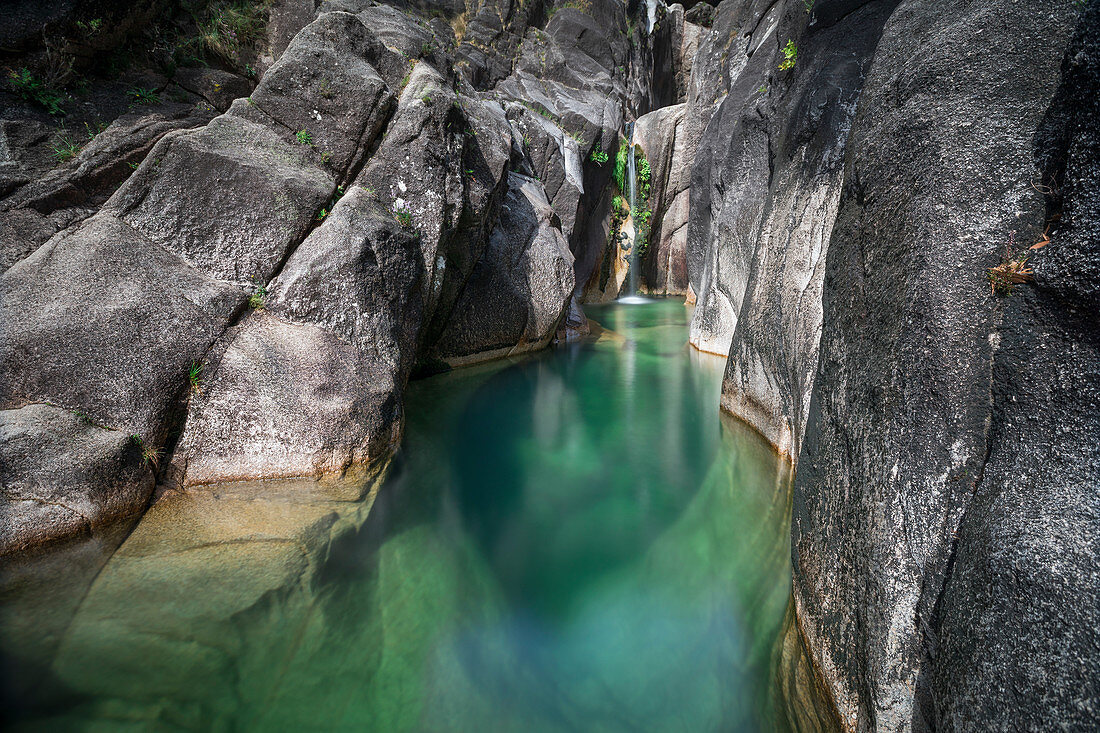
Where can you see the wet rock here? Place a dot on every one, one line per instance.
(515, 297)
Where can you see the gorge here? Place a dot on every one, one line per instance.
(329, 399)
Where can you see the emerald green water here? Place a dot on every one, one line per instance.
(570, 542)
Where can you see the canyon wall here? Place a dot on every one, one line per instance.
(849, 218)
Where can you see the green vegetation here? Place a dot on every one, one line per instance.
(304, 137)
(256, 301)
(598, 155)
(35, 90)
(91, 27)
(64, 149)
(426, 99)
(229, 27)
(194, 376)
(141, 95)
(404, 217)
(619, 173)
(322, 214)
(582, 5)
(425, 49)
(808, 5)
(150, 455)
(790, 56)
(1014, 269)
(642, 213)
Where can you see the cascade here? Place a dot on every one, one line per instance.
(632, 200)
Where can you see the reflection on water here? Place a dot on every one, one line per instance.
(573, 542)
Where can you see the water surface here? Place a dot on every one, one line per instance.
(570, 542)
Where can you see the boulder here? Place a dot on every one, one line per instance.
(519, 289)
(661, 134)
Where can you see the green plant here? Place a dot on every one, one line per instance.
(194, 376)
(790, 56)
(141, 95)
(808, 5)
(1014, 269)
(64, 149)
(228, 27)
(322, 214)
(404, 217)
(304, 137)
(91, 27)
(257, 300)
(34, 90)
(425, 49)
(619, 173)
(426, 99)
(91, 131)
(762, 88)
(150, 455)
(598, 156)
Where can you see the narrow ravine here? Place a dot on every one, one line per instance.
(571, 541)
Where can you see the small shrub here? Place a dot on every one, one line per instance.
(258, 298)
(426, 99)
(790, 56)
(404, 218)
(141, 95)
(322, 214)
(598, 156)
(808, 5)
(304, 137)
(619, 173)
(91, 27)
(1014, 269)
(35, 90)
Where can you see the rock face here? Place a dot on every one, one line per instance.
(515, 297)
(945, 436)
(254, 297)
(662, 134)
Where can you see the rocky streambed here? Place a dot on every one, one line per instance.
(886, 211)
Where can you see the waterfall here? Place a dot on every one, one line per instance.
(632, 199)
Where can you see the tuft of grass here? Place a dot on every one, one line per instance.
(257, 300)
(426, 99)
(1014, 269)
(790, 56)
(32, 89)
(194, 377)
(143, 96)
(65, 149)
(425, 49)
(304, 137)
(229, 27)
(150, 455)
